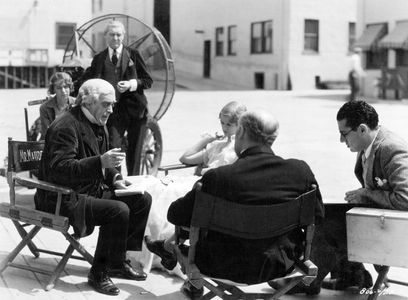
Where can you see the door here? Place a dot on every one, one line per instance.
(207, 59)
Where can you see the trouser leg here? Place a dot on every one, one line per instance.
(139, 207)
(113, 218)
(116, 128)
(135, 129)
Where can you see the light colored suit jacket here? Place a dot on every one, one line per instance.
(388, 161)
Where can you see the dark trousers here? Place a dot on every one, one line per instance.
(122, 224)
(354, 82)
(118, 124)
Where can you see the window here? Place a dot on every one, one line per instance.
(311, 35)
(351, 35)
(402, 58)
(232, 40)
(64, 32)
(219, 41)
(261, 37)
(376, 57)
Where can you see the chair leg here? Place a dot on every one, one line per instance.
(287, 287)
(60, 267)
(382, 274)
(33, 248)
(27, 239)
(78, 247)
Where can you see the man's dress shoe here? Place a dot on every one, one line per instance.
(168, 259)
(102, 283)
(127, 272)
(191, 291)
(300, 288)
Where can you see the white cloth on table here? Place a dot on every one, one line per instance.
(158, 228)
(170, 188)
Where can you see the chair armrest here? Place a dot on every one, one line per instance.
(168, 168)
(307, 267)
(35, 183)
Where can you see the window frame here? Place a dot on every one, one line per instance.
(264, 42)
(401, 58)
(58, 35)
(219, 41)
(232, 40)
(377, 58)
(351, 35)
(313, 46)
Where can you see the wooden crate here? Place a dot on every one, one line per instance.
(378, 236)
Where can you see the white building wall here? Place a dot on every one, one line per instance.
(32, 25)
(140, 9)
(188, 16)
(331, 63)
(332, 60)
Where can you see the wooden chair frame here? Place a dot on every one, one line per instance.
(212, 213)
(25, 156)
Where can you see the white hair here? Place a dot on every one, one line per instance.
(114, 23)
(92, 89)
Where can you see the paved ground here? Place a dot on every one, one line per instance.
(308, 131)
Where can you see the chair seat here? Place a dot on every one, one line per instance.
(34, 217)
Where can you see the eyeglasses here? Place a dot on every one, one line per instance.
(344, 135)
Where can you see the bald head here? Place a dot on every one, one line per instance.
(256, 128)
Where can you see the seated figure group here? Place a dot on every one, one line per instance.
(240, 167)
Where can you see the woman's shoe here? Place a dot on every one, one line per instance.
(168, 259)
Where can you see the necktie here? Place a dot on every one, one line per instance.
(114, 57)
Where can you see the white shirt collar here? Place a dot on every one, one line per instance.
(89, 116)
(367, 151)
(118, 51)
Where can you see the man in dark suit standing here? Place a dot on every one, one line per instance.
(257, 177)
(125, 69)
(76, 155)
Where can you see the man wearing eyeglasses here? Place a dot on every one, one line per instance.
(382, 169)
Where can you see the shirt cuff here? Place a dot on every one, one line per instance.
(117, 177)
(133, 85)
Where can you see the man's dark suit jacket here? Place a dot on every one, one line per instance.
(72, 159)
(257, 177)
(133, 67)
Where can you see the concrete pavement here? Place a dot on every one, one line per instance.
(308, 131)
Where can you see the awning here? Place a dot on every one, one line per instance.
(371, 36)
(398, 38)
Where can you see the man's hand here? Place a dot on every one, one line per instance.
(122, 184)
(112, 158)
(356, 196)
(123, 86)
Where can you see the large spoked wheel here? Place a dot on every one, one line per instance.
(152, 148)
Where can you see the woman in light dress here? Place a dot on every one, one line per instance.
(211, 151)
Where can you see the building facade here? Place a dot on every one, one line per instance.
(382, 31)
(266, 44)
(34, 36)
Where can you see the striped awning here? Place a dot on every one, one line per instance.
(370, 37)
(397, 38)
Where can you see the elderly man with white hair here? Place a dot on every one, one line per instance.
(258, 177)
(76, 155)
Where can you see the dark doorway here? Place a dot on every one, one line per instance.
(259, 81)
(161, 18)
(207, 59)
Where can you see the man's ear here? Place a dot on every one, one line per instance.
(363, 128)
